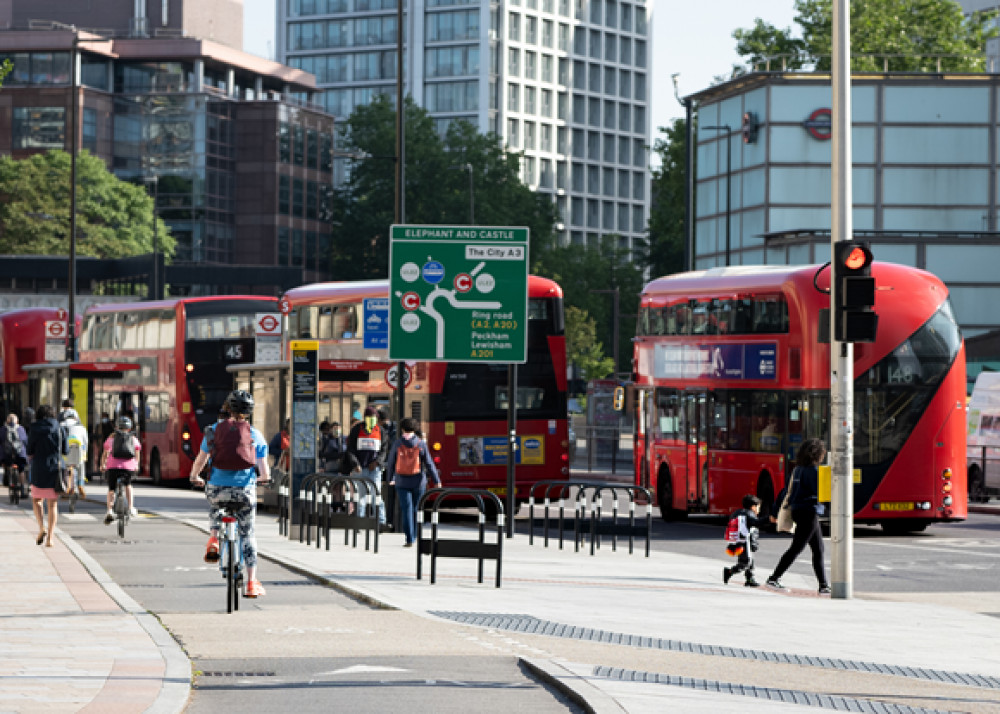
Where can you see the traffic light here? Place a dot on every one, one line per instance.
(750, 127)
(619, 398)
(854, 292)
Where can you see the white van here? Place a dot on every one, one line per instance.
(984, 438)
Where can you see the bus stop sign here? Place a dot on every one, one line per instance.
(458, 294)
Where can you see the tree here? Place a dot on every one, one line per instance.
(765, 42)
(602, 268)
(666, 218)
(114, 218)
(911, 35)
(582, 347)
(437, 186)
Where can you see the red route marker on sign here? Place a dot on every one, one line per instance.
(410, 301)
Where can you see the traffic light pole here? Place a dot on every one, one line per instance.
(841, 353)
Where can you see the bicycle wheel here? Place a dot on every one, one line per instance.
(231, 592)
(121, 509)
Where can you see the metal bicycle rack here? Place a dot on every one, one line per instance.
(592, 494)
(459, 548)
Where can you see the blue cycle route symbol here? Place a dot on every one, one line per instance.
(433, 272)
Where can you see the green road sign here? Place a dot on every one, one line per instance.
(458, 294)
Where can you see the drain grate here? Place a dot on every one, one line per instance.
(787, 696)
(240, 675)
(142, 585)
(534, 626)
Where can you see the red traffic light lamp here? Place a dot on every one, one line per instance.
(853, 286)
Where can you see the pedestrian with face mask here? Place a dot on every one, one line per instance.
(368, 442)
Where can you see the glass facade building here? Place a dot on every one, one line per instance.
(925, 191)
(240, 167)
(565, 83)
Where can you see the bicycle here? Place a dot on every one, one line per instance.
(231, 554)
(122, 511)
(13, 484)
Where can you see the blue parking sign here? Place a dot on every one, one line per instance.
(376, 317)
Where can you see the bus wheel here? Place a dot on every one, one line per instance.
(765, 492)
(665, 497)
(154, 468)
(903, 526)
(977, 485)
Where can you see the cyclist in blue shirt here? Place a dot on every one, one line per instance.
(235, 485)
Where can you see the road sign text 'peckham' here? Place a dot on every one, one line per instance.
(458, 294)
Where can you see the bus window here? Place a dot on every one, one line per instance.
(770, 315)
(768, 422)
(345, 322)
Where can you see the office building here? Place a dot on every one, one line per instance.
(566, 83)
(238, 157)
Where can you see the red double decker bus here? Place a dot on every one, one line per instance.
(462, 407)
(183, 347)
(24, 340)
(730, 380)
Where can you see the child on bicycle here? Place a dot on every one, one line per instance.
(238, 454)
(120, 461)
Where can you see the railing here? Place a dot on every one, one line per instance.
(593, 521)
(601, 448)
(861, 63)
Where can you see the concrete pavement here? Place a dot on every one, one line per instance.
(622, 632)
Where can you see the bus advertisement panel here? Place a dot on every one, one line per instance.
(462, 407)
(731, 378)
(183, 347)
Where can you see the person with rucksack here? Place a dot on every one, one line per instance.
(76, 457)
(209, 436)
(120, 460)
(368, 443)
(409, 465)
(238, 456)
(13, 456)
(742, 535)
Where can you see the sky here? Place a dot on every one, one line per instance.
(689, 37)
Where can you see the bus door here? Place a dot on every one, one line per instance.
(645, 418)
(696, 411)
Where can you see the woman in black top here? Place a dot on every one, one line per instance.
(804, 504)
(46, 446)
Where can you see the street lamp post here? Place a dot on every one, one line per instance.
(472, 197)
(157, 293)
(74, 99)
(688, 105)
(729, 184)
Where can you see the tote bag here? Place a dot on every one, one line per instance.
(785, 522)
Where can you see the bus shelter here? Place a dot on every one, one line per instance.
(51, 382)
(339, 395)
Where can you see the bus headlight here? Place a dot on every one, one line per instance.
(946, 501)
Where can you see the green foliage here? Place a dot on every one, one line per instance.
(764, 41)
(582, 347)
(114, 218)
(666, 218)
(437, 186)
(5, 68)
(581, 272)
(911, 35)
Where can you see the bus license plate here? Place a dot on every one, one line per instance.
(499, 491)
(896, 506)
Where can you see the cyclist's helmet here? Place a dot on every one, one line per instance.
(240, 402)
(124, 423)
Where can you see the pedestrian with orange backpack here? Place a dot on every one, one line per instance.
(409, 464)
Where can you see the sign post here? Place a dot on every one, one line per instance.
(460, 294)
(305, 378)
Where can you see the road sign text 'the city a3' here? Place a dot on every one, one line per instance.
(458, 293)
